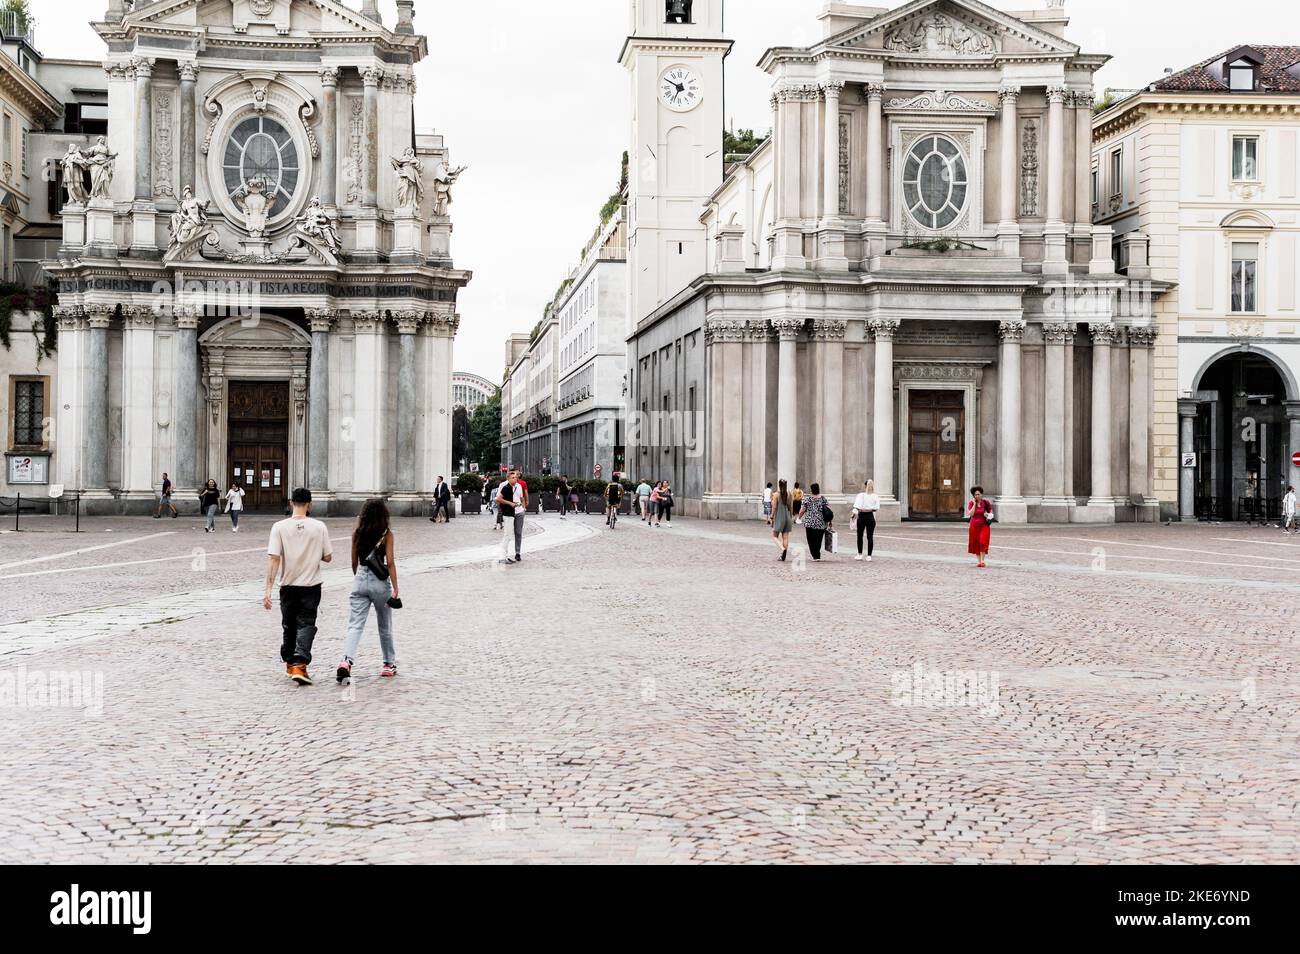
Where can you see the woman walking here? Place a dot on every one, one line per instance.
(781, 519)
(797, 499)
(865, 508)
(234, 504)
(654, 503)
(980, 512)
(374, 564)
(209, 498)
(665, 504)
(814, 520)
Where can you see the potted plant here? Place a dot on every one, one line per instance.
(469, 493)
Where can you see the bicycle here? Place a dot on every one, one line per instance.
(611, 518)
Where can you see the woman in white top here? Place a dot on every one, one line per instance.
(234, 504)
(865, 507)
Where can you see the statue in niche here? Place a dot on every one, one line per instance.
(189, 219)
(256, 205)
(74, 166)
(410, 188)
(443, 179)
(100, 162)
(315, 223)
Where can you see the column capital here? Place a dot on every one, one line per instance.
(142, 66)
(329, 76)
(408, 322)
(138, 316)
(69, 317)
(1083, 99)
(442, 323)
(828, 329)
(1143, 337)
(758, 330)
(372, 76)
(787, 329)
(721, 329)
(1103, 333)
(874, 91)
(798, 93)
(367, 322)
(1008, 95)
(187, 316)
(1058, 333)
(1187, 407)
(99, 315)
(1057, 94)
(832, 88)
(884, 329)
(322, 319)
(1012, 330)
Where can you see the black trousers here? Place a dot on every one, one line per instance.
(867, 524)
(442, 506)
(815, 538)
(298, 606)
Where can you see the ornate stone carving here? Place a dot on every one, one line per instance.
(141, 67)
(832, 88)
(1029, 168)
(874, 90)
(1103, 333)
(213, 109)
(100, 162)
(138, 316)
(316, 225)
(444, 177)
(256, 205)
(1143, 337)
(321, 319)
(162, 143)
(798, 93)
(884, 329)
(329, 76)
(99, 314)
(189, 71)
(408, 322)
(940, 34)
(828, 329)
(410, 183)
(74, 174)
(1058, 333)
(941, 101)
(187, 316)
(724, 329)
(353, 165)
(787, 329)
(955, 371)
(189, 220)
(1246, 328)
(846, 129)
(305, 113)
(1008, 94)
(372, 75)
(1011, 330)
(1057, 94)
(69, 317)
(367, 322)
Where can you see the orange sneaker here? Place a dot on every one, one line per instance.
(299, 675)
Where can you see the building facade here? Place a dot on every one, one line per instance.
(902, 284)
(470, 391)
(255, 276)
(1203, 166)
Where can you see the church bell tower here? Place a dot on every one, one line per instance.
(675, 55)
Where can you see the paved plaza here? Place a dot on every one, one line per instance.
(1116, 694)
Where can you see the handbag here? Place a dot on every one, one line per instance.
(828, 514)
(374, 561)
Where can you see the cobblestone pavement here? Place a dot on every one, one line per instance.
(1115, 694)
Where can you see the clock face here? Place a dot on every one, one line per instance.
(680, 89)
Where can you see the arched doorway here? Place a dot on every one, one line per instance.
(1242, 437)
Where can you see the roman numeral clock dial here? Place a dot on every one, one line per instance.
(680, 89)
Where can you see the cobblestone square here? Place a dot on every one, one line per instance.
(1118, 694)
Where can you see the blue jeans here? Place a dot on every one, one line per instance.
(369, 590)
(234, 519)
(212, 517)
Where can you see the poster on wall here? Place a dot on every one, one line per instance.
(28, 469)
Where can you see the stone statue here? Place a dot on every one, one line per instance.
(939, 34)
(189, 219)
(74, 174)
(100, 161)
(443, 180)
(256, 205)
(410, 188)
(315, 224)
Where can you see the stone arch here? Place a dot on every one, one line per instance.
(1284, 372)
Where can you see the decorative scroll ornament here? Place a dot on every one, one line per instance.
(352, 166)
(884, 328)
(941, 101)
(162, 137)
(1058, 333)
(939, 34)
(1011, 330)
(1029, 168)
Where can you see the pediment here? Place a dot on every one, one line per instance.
(950, 29)
(315, 16)
(264, 331)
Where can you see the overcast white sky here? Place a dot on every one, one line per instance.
(530, 95)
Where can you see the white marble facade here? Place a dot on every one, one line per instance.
(271, 219)
(917, 228)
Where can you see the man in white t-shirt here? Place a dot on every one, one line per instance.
(767, 500)
(298, 547)
(1288, 511)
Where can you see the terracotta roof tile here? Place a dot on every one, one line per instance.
(1275, 74)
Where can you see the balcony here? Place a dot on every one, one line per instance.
(15, 25)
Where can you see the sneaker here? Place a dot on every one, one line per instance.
(508, 562)
(389, 671)
(157, 516)
(868, 559)
(344, 670)
(299, 675)
(858, 557)
(519, 558)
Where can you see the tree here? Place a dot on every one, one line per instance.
(742, 143)
(485, 434)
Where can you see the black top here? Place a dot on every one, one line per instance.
(507, 494)
(366, 545)
(209, 498)
(563, 489)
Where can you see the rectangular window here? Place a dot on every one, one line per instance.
(1245, 158)
(1241, 77)
(29, 412)
(1245, 264)
(25, 162)
(1096, 186)
(1117, 172)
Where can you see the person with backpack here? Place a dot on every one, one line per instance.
(613, 498)
(374, 568)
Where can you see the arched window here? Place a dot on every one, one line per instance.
(261, 146)
(935, 182)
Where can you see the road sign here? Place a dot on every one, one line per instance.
(1189, 460)
(1295, 459)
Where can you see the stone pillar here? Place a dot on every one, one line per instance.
(370, 9)
(1009, 173)
(1055, 337)
(1055, 231)
(787, 397)
(875, 224)
(189, 130)
(371, 76)
(831, 153)
(408, 322)
(882, 456)
(829, 335)
(318, 407)
(116, 10)
(95, 474)
(1082, 101)
(1011, 502)
(329, 171)
(1140, 342)
(186, 401)
(1293, 441)
(1101, 502)
(1186, 445)
(143, 129)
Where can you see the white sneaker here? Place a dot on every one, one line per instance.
(868, 559)
(858, 557)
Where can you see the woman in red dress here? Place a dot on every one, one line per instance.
(980, 512)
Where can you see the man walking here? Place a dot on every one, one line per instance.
(1288, 511)
(562, 492)
(298, 547)
(506, 500)
(521, 505)
(643, 500)
(441, 501)
(165, 498)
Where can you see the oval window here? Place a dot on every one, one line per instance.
(262, 147)
(934, 182)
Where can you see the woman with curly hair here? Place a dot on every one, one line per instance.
(374, 564)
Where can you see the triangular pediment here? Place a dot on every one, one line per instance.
(950, 29)
(314, 16)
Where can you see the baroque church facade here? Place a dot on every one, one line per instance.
(902, 284)
(255, 279)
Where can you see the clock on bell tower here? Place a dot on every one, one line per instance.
(675, 55)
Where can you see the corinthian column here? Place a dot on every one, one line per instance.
(371, 77)
(96, 427)
(189, 75)
(143, 129)
(1008, 179)
(408, 322)
(829, 335)
(1140, 343)
(1101, 502)
(787, 396)
(1083, 161)
(1055, 231)
(882, 456)
(875, 225)
(1011, 503)
(329, 172)
(831, 153)
(1056, 337)
(187, 397)
(318, 408)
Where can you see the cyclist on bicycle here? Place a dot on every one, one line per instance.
(613, 497)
